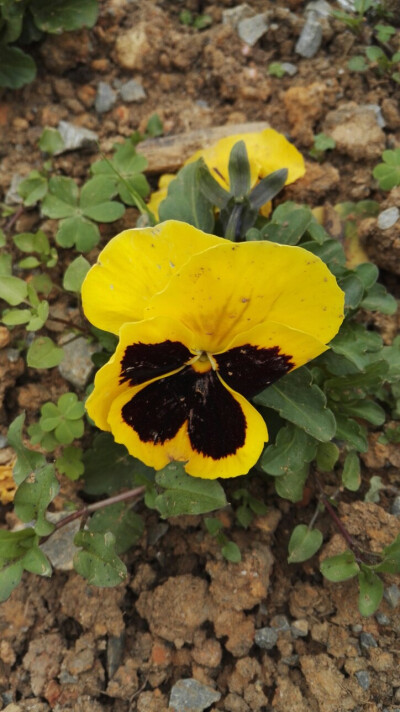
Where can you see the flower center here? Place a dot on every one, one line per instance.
(203, 362)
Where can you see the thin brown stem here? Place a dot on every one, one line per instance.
(13, 219)
(68, 323)
(86, 511)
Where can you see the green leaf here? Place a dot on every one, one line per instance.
(2, 238)
(33, 188)
(368, 273)
(355, 343)
(5, 265)
(78, 231)
(301, 403)
(210, 188)
(126, 525)
(322, 142)
(64, 15)
(239, 170)
(43, 353)
(97, 561)
(13, 290)
(33, 497)
(351, 475)
(391, 558)
(62, 198)
(341, 567)
(185, 494)
(96, 203)
(154, 126)
(353, 290)
(29, 263)
(13, 317)
(366, 409)
(51, 141)
(38, 316)
(231, 552)
(70, 462)
(357, 64)
(69, 405)
(288, 224)
(388, 173)
(36, 562)
(378, 299)
(291, 486)
(213, 525)
(375, 486)
(352, 432)
(303, 544)
(186, 202)
(14, 545)
(27, 460)
(327, 456)
(10, 576)
(292, 448)
(16, 67)
(267, 188)
(371, 592)
(109, 468)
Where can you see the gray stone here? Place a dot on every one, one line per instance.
(105, 98)
(12, 197)
(132, 91)
(347, 5)
(13, 355)
(3, 441)
(280, 623)
(377, 111)
(310, 38)
(320, 7)
(392, 595)
(299, 628)
(77, 364)
(266, 638)
(387, 218)
(356, 628)
(289, 68)
(233, 15)
(363, 679)
(382, 618)
(76, 137)
(253, 28)
(192, 696)
(59, 548)
(395, 508)
(367, 641)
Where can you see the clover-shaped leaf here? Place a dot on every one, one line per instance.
(388, 173)
(70, 462)
(65, 418)
(43, 353)
(125, 170)
(33, 188)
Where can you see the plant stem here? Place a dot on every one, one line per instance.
(85, 511)
(68, 323)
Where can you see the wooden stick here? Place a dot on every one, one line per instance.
(168, 153)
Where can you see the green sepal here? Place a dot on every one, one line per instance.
(211, 189)
(267, 188)
(239, 170)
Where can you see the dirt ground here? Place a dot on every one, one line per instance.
(259, 635)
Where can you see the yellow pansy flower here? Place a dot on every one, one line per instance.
(204, 324)
(267, 151)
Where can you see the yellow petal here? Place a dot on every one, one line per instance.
(157, 197)
(135, 265)
(267, 151)
(109, 382)
(231, 288)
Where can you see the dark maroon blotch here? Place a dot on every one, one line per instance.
(143, 362)
(249, 369)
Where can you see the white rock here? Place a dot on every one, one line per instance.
(76, 137)
(252, 29)
(388, 218)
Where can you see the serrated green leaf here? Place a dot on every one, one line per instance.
(186, 202)
(371, 592)
(327, 456)
(291, 486)
(27, 460)
(65, 15)
(351, 475)
(126, 525)
(185, 494)
(293, 447)
(341, 567)
(43, 353)
(33, 497)
(303, 544)
(97, 561)
(78, 231)
(16, 67)
(13, 290)
(301, 403)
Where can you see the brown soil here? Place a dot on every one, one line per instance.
(184, 611)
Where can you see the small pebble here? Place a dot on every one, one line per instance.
(105, 98)
(387, 218)
(367, 641)
(392, 595)
(252, 29)
(280, 623)
(192, 696)
(12, 196)
(320, 7)
(13, 355)
(382, 619)
(266, 638)
(289, 68)
(75, 137)
(300, 628)
(233, 15)
(132, 91)
(77, 364)
(395, 508)
(3, 441)
(378, 113)
(356, 628)
(310, 38)
(363, 679)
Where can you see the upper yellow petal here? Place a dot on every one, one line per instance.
(157, 197)
(135, 265)
(231, 288)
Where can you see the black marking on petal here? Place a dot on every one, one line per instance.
(249, 369)
(216, 422)
(142, 362)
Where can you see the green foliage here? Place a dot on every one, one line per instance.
(199, 22)
(64, 422)
(303, 544)
(387, 173)
(19, 552)
(275, 69)
(43, 353)
(183, 494)
(229, 549)
(249, 508)
(75, 274)
(322, 143)
(126, 525)
(97, 560)
(38, 243)
(186, 202)
(125, 171)
(26, 21)
(51, 141)
(109, 468)
(70, 462)
(355, 21)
